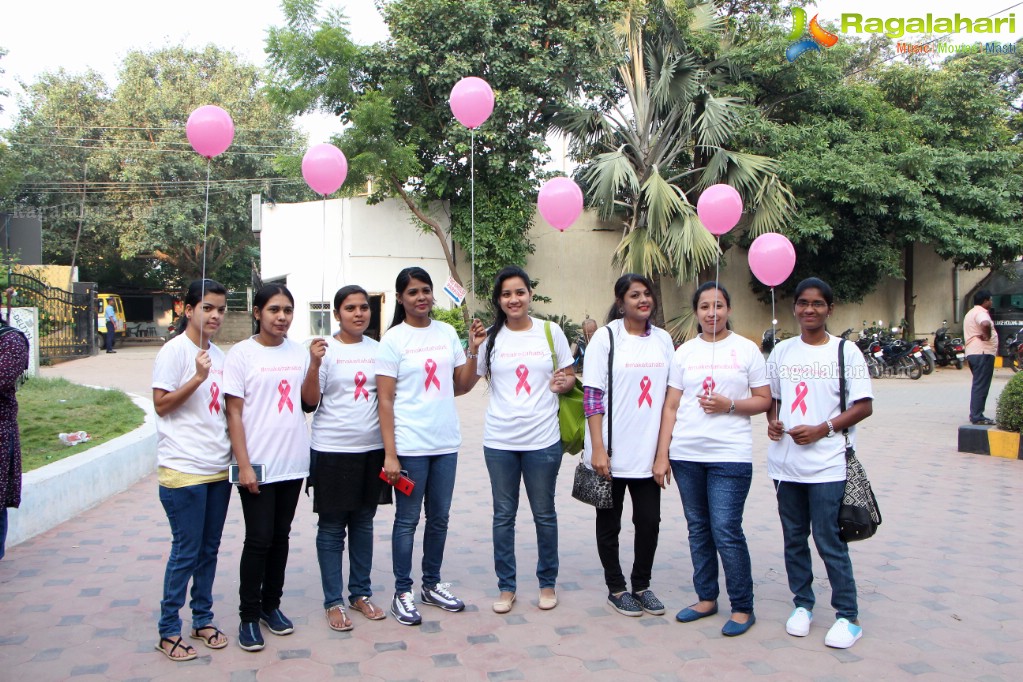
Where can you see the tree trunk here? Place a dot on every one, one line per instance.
(659, 313)
(907, 292)
(441, 236)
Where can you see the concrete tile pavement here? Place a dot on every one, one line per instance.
(940, 585)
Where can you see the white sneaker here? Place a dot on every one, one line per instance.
(439, 595)
(843, 634)
(798, 624)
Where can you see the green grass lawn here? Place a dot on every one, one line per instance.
(48, 407)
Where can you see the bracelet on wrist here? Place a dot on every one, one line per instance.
(471, 356)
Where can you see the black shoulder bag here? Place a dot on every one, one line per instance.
(588, 486)
(859, 515)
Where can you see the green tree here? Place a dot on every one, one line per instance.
(536, 54)
(123, 155)
(648, 154)
(884, 156)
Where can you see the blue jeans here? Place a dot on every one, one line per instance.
(538, 469)
(330, 543)
(434, 476)
(196, 514)
(983, 368)
(713, 497)
(814, 506)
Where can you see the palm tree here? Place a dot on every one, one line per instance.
(650, 153)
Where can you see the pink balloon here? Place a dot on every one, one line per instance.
(719, 208)
(560, 202)
(472, 101)
(210, 130)
(772, 258)
(324, 168)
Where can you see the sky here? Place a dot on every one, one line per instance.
(43, 36)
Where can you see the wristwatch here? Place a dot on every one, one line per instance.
(731, 408)
(831, 428)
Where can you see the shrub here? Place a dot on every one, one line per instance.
(1010, 405)
(452, 316)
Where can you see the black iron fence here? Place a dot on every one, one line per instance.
(67, 321)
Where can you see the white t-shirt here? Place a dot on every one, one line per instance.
(269, 380)
(423, 361)
(805, 379)
(347, 419)
(738, 366)
(523, 411)
(640, 380)
(193, 438)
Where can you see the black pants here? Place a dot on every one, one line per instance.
(983, 368)
(646, 517)
(268, 517)
(110, 336)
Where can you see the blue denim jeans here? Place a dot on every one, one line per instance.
(538, 469)
(330, 543)
(713, 497)
(806, 507)
(196, 514)
(983, 368)
(434, 476)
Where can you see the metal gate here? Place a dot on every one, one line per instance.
(67, 322)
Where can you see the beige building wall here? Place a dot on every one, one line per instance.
(574, 269)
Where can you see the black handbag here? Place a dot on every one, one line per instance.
(588, 486)
(859, 516)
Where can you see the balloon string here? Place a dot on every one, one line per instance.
(323, 268)
(205, 222)
(714, 334)
(472, 213)
(774, 321)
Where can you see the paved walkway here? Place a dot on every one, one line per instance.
(941, 585)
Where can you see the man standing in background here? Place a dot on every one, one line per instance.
(111, 317)
(981, 346)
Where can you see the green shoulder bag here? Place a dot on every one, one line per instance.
(570, 408)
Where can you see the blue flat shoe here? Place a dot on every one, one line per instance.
(688, 615)
(733, 629)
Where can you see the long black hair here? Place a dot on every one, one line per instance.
(265, 293)
(194, 295)
(621, 288)
(500, 317)
(707, 286)
(401, 284)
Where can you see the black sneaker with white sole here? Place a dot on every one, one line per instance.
(403, 608)
(440, 596)
(625, 604)
(249, 636)
(277, 622)
(650, 603)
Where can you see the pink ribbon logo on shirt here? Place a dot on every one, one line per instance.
(708, 385)
(644, 385)
(360, 381)
(431, 374)
(214, 398)
(800, 402)
(522, 372)
(284, 388)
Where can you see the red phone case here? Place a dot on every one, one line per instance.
(404, 484)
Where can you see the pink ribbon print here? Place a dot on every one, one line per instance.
(360, 382)
(284, 388)
(644, 386)
(522, 372)
(214, 398)
(708, 385)
(431, 374)
(800, 401)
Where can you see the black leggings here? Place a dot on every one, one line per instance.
(646, 517)
(268, 517)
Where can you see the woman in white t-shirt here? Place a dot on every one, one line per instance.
(193, 453)
(263, 379)
(642, 354)
(717, 381)
(420, 369)
(521, 432)
(806, 457)
(346, 458)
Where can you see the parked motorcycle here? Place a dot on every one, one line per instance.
(928, 358)
(948, 350)
(1014, 351)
